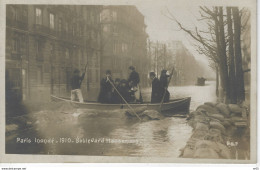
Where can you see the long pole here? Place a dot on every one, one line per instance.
(166, 88)
(84, 72)
(124, 99)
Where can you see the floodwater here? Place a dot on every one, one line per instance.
(81, 134)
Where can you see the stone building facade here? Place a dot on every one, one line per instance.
(45, 43)
(124, 42)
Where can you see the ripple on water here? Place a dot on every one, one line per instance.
(152, 138)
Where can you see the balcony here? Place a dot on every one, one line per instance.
(19, 24)
(68, 37)
(16, 56)
(41, 29)
(65, 36)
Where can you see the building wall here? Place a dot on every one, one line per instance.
(42, 60)
(123, 42)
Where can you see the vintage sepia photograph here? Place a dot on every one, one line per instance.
(139, 79)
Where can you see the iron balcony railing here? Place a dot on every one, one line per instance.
(20, 24)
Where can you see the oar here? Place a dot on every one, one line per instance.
(124, 99)
(84, 75)
(166, 88)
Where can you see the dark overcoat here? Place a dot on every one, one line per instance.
(156, 91)
(133, 79)
(105, 94)
(164, 86)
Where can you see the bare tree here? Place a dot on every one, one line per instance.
(240, 90)
(231, 57)
(215, 43)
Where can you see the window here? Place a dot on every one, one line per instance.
(39, 75)
(105, 28)
(24, 12)
(37, 47)
(15, 45)
(60, 25)
(24, 78)
(97, 76)
(66, 27)
(124, 47)
(81, 31)
(67, 55)
(51, 21)
(15, 14)
(114, 47)
(114, 15)
(115, 29)
(77, 29)
(38, 16)
(74, 30)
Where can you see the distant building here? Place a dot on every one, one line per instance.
(123, 42)
(186, 67)
(45, 43)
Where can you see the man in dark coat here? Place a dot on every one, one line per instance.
(133, 81)
(134, 78)
(156, 88)
(164, 85)
(76, 81)
(105, 94)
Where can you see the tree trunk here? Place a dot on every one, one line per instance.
(232, 78)
(217, 81)
(221, 52)
(238, 56)
(223, 55)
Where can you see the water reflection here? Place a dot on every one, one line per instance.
(121, 136)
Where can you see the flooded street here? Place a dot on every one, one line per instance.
(82, 133)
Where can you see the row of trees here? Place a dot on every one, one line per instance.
(221, 43)
(174, 56)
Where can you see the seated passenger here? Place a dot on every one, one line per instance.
(124, 90)
(115, 96)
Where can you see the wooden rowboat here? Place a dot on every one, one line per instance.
(179, 106)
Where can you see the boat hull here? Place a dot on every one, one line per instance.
(176, 106)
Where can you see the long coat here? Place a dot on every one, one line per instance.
(156, 91)
(133, 79)
(105, 94)
(164, 85)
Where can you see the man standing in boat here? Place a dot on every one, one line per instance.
(156, 88)
(133, 82)
(106, 88)
(164, 84)
(76, 81)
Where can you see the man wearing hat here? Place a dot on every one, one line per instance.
(76, 81)
(164, 84)
(156, 88)
(134, 81)
(106, 88)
